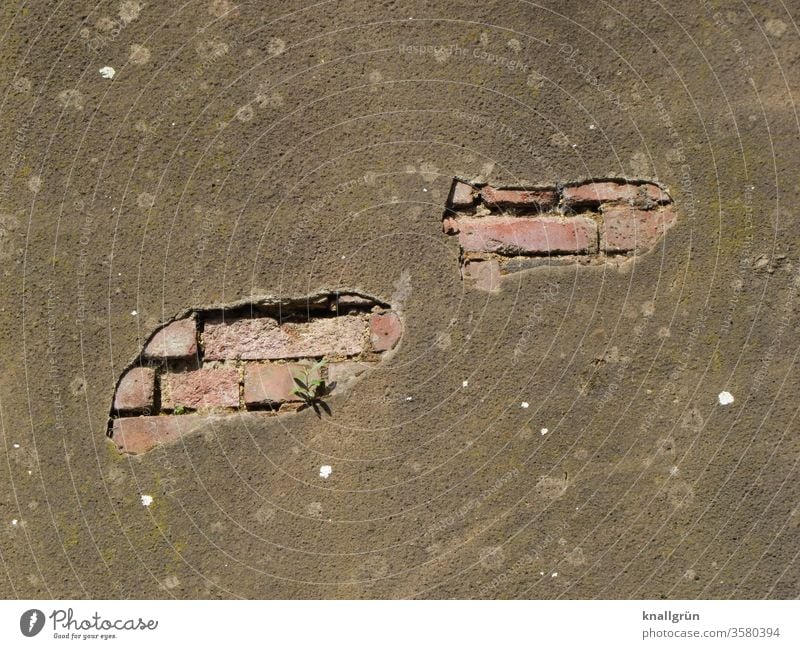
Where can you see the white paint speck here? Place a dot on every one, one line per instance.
(146, 500)
(591, 127)
(555, 574)
(423, 189)
(725, 398)
(541, 573)
(134, 312)
(464, 384)
(15, 445)
(409, 398)
(325, 471)
(107, 72)
(524, 404)
(14, 521)
(544, 431)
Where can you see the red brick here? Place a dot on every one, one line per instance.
(656, 194)
(264, 339)
(385, 330)
(534, 199)
(593, 194)
(485, 273)
(449, 225)
(519, 236)
(136, 391)
(462, 196)
(177, 340)
(136, 435)
(207, 387)
(628, 229)
(271, 383)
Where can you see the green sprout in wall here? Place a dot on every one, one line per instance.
(311, 387)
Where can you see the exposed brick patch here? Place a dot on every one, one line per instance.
(176, 340)
(539, 235)
(208, 387)
(136, 391)
(385, 331)
(520, 199)
(510, 229)
(232, 360)
(272, 383)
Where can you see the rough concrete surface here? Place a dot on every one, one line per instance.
(289, 148)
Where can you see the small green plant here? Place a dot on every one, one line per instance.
(311, 387)
(179, 410)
